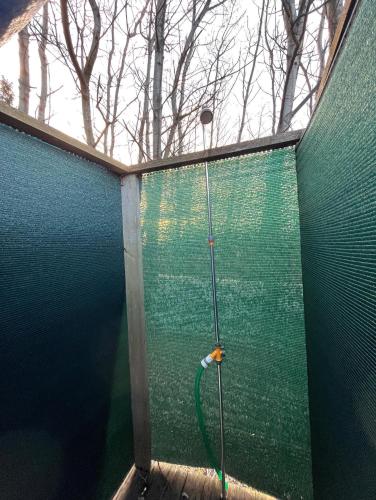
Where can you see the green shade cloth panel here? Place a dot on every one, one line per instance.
(256, 228)
(336, 164)
(65, 425)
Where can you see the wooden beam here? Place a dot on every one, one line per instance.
(134, 281)
(26, 123)
(223, 152)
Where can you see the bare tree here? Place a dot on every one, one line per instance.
(321, 48)
(142, 70)
(130, 33)
(159, 42)
(224, 71)
(273, 59)
(83, 64)
(191, 79)
(181, 71)
(42, 45)
(247, 80)
(100, 87)
(144, 126)
(6, 91)
(24, 75)
(295, 21)
(106, 113)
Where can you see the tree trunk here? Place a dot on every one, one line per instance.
(295, 25)
(182, 68)
(143, 134)
(160, 17)
(120, 75)
(333, 9)
(43, 66)
(24, 79)
(271, 68)
(110, 77)
(319, 43)
(85, 69)
(248, 87)
(86, 114)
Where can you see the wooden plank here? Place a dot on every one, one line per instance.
(26, 123)
(199, 480)
(158, 480)
(206, 492)
(135, 488)
(126, 485)
(29, 125)
(338, 39)
(240, 148)
(176, 484)
(169, 481)
(212, 489)
(134, 281)
(132, 488)
(190, 486)
(181, 479)
(235, 492)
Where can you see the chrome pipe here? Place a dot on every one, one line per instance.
(215, 317)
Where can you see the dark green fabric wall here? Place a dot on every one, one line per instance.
(336, 164)
(65, 423)
(256, 225)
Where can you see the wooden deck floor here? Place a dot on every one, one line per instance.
(175, 482)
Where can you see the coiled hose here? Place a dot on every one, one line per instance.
(201, 423)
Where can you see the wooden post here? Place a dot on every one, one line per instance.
(134, 280)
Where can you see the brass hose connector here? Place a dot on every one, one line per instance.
(217, 355)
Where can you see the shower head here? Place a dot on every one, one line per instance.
(206, 115)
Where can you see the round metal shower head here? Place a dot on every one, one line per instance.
(206, 115)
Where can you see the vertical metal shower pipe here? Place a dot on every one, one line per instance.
(216, 324)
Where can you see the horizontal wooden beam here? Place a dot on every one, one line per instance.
(26, 123)
(223, 152)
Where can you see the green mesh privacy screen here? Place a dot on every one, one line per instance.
(65, 424)
(337, 195)
(255, 218)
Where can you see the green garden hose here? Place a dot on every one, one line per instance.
(201, 423)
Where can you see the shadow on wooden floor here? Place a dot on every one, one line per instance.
(175, 482)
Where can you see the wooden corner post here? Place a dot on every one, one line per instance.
(134, 285)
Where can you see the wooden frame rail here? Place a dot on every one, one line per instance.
(35, 128)
(220, 153)
(25, 123)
